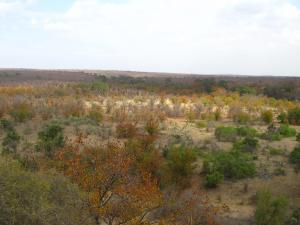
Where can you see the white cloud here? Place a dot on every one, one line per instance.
(200, 36)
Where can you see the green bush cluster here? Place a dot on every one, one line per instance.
(231, 134)
(50, 138)
(246, 131)
(248, 144)
(226, 133)
(276, 134)
(231, 165)
(286, 131)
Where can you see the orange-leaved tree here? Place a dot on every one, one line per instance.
(116, 194)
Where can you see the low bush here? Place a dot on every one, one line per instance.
(298, 137)
(267, 116)
(295, 157)
(295, 218)
(283, 118)
(270, 210)
(96, 114)
(179, 165)
(21, 112)
(294, 116)
(50, 138)
(6, 125)
(152, 126)
(201, 124)
(286, 131)
(246, 131)
(248, 144)
(213, 179)
(226, 134)
(126, 130)
(11, 141)
(276, 151)
(233, 165)
(241, 118)
(271, 134)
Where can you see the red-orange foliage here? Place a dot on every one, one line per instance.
(116, 195)
(126, 130)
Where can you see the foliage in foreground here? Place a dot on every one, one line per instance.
(270, 210)
(29, 198)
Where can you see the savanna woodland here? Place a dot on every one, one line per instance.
(120, 148)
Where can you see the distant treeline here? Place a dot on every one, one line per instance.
(279, 89)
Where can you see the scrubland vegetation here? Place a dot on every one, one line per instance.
(120, 150)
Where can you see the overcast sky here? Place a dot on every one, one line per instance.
(259, 37)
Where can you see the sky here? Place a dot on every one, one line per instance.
(245, 37)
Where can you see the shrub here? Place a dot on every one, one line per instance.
(247, 131)
(286, 131)
(212, 180)
(248, 144)
(270, 210)
(29, 198)
(200, 124)
(50, 138)
(283, 118)
(233, 165)
(294, 116)
(126, 130)
(21, 112)
(218, 115)
(226, 134)
(6, 125)
(295, 157)
(96, 114)
(241, 118)
(267, 116)
(152, 126)
(272, 134)
(11, 141)
(298, 137)
(179, 164)
(295, 218)
(72, 108)
(276, 151)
